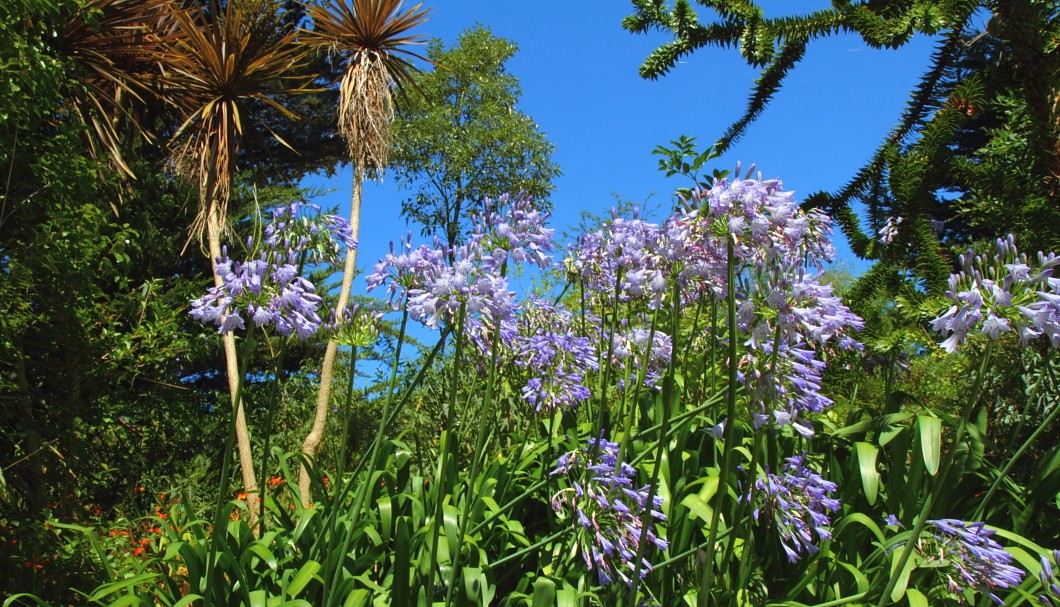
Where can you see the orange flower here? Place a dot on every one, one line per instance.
(276, 480)
(242, 495)
(138, 489)
(139, 551)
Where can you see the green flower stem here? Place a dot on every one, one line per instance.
(939, 485)
(476, 460)
(743, 506)
(605, 364)
(661, 445)
(703, 598)
(273, 405)
(362, 490)
(741, 511)
(446, 448)
(347, 406)
(631, 409)
(677, 423)
(687, 553)
(540, 543)
(981, 509)
(226, 468)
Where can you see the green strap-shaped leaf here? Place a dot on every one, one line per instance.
(870, 477)
(303, 577)
(930, 441)
(544, 592)
(916, 598)
(903, 576)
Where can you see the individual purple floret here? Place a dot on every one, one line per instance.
(975, 561)
(796, 503)
(1050, 596)
(1001, 294)
(606, 511)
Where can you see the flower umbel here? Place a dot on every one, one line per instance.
(606, 511)
(976, 561)
(1002, 293)
(796, 503)
(268, 291)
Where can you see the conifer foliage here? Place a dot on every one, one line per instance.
(976, 151)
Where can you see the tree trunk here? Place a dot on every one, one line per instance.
(246, 460)
(320, 418)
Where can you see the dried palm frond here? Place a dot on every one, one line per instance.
(212, 67)
(112, 44)
(369, 35)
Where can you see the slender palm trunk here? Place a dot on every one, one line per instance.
(246, 461)
(316, 434)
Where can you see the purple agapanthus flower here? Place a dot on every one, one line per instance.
(514, 226)
(435, 283)
(555, 357)
(269, 292)
(606, 511)
(796, 503)
(623, 256)
(975, 561)
(1002, 293)
(1050, 596)
(304, 228)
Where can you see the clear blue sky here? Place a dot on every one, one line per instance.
(579, 74)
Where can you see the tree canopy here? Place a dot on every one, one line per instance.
(976, 151)
(464, 139)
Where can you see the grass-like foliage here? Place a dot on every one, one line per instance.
(658, 432)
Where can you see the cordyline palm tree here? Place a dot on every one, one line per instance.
(112, 44)
(217, 62)
(368, 35)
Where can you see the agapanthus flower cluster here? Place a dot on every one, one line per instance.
(788, 317)
(623, 256)
(304, 228)
(435, 286)
(645, 349)
(763, 222)
(404, 269)
(796, 503)
(607, 511)
(785, 314)
(267, 290)
(517, 233)
(554, 354)
(1000, 294)
(436, 283)
(1050, 596)
(358, 326)
(975, 561)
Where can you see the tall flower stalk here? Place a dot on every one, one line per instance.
(370, 36)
